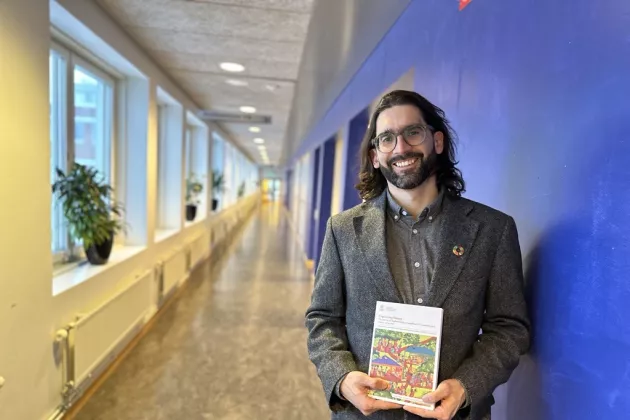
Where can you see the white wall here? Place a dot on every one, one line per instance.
(29, 313)
(25, 258)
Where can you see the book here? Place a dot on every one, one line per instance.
(406, 352)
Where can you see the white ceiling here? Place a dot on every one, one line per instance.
(189, 38)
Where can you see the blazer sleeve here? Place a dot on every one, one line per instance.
(325, 320)
(505, 329)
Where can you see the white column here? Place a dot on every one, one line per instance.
(26, 329)
(135, 131)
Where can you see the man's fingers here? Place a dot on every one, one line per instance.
(427, 414)
(385, 405)
(375, 383)
(442, 391)
(374, 405)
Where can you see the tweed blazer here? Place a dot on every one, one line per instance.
(485, 327)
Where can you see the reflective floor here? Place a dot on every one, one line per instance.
(233, 345)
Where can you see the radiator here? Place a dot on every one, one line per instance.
(174, 270)
(199, 249)
(93, 341)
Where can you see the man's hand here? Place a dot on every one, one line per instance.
(354, 388)
(452, 396)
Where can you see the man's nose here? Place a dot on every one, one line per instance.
(401, 146)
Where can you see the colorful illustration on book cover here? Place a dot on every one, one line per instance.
(406, 360)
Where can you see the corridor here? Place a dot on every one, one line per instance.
(231, 346)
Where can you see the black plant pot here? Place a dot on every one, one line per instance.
(215, 204)
(99, 254)
(191, 212)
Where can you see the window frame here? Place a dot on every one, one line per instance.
(73, 253)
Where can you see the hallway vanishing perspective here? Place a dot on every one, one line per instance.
(233, 343)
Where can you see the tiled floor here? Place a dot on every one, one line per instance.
(233, 345)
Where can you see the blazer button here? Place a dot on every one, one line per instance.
(420, 300)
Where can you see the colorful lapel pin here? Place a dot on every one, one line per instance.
(458, 250)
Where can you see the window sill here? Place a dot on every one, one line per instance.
(188, 224)
(84, 271)
(163, 234)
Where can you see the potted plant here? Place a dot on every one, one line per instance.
(193, 189)
(92, 214)
(241, 190)
(217, 187)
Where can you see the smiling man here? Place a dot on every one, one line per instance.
(415, 240)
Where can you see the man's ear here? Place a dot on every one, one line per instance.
(438, 142)
(374, 159)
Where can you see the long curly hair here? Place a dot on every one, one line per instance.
(372, 182)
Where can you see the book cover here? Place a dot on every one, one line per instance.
(406, 352)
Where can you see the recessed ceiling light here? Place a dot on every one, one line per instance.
(232, 67)
(254, 129)
(248, 109)
(259, 141)
(236, 82)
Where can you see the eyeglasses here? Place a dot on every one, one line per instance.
(414, 135)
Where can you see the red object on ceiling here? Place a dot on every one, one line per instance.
(463, 3)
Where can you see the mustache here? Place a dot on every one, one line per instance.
(406, 156)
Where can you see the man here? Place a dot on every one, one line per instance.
(414, 240)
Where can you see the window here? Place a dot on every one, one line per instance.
(58, 144)
(217, 171)
(189, 151)
(93, 108)
(81, 95)
(163, 165)
(196, 169)
(169, 181)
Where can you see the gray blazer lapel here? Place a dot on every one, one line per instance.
(459, 231)
(369, 231)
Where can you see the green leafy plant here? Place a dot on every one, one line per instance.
(92, 214)
(241, 190)
(193, 189)
(217, 183)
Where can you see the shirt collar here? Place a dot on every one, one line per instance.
(432, 210)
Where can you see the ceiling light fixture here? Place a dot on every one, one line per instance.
(272, 88)
(248, 109)
(254, 129)
(232, 67)
(259, 140)
(237, 82)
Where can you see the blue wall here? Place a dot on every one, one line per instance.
(314, 190)
(539, 93)
(354, 137)
(324, 197)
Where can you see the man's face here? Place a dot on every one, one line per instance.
(406, 166)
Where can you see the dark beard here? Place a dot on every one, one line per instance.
(414, 179)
